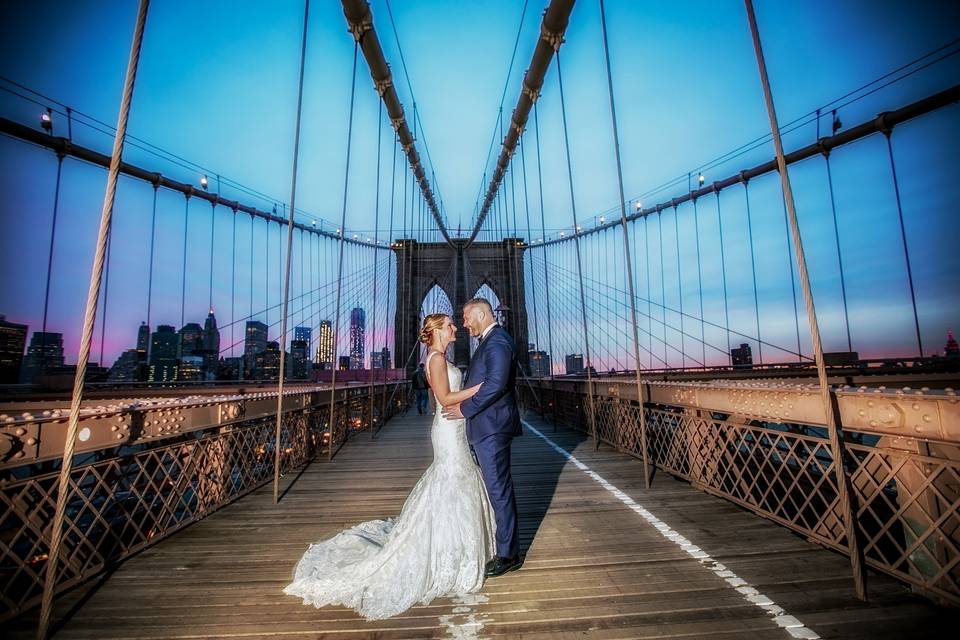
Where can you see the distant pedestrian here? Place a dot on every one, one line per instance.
(420, 387)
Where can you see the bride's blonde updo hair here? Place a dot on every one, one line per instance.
(431, 323)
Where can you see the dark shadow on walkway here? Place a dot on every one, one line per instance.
(536, 473)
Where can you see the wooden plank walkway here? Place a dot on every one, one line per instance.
(595, 567)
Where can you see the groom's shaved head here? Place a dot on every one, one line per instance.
(477, 315)
(479, 302)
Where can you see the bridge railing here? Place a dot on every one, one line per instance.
(761, 447)
(132, 490)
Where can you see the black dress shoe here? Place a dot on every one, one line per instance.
(499, 566)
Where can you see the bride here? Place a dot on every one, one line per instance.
(444, 535)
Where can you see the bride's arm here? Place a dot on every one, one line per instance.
(440, 384)
(459, 396)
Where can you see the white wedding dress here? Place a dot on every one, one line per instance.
(437, 546)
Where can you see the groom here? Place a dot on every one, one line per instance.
(493, 421)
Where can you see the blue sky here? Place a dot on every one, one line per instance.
(217, 86)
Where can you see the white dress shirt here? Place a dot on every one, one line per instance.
(487, 331)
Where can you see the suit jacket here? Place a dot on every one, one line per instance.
(493, 410)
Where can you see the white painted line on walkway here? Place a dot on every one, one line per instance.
(780, 617)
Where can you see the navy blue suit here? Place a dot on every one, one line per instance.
(493, 421)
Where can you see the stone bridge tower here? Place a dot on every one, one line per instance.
(459, 270)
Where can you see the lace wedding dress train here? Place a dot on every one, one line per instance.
(437, 546)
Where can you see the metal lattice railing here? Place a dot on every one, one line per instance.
(127, 498)
(906, 490)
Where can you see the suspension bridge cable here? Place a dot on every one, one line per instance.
(376, 256)
(576, 244)
(153, 238)
(696, 237)
(836, 236)
(842, 480)
(626, 246)
(343, 219)
(723, 276)
(282, 374)
(903, 236)
(63, 489)
(753, 266)
(49, 274)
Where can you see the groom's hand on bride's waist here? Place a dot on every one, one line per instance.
(452, 412)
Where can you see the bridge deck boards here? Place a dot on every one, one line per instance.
(594, 567)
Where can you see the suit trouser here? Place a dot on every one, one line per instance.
(493, 456)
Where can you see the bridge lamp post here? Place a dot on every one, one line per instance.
(204, 182)
(46, 121)
(501, 312)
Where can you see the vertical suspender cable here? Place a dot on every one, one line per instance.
(376, 275)
(676, 235)
(282, 374)
(393, 184)
(53, 235)
(696, 235)
(833, 424)
(646, 253)
(626, 249)
(183, 274)
(903, 236)
(106, 291)
(793, 284)
(266, 274)
(93, 293)
(153, 238)
(213, 222)
(836, 237)
(753, 264)
(233, 289)
(343, 232)
(546, 269)
(512, 251)
(526, 209)
(663, 290)
(576, 243)
(723, 275)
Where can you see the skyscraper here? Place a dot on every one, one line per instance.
(358, 330)
(742, 358)
(267, 362)
(255, 341)
(325, 346)
(13, 338)
(163, 354)
(190, 368)
(142, 373)
(298, 365)
(45, 352)
(303, 333)
(126, 368)
(574, 363)
(191, 340)
(951, 350)
(539, 364)
(211, 346)
(143, 338)
(380, 359)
